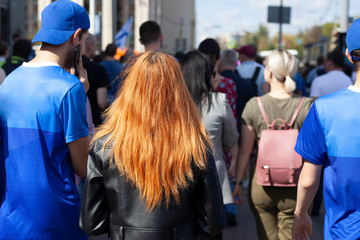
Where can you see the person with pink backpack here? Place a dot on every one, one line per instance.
(274, 119)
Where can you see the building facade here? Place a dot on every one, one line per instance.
(176, 18)
(12, 19)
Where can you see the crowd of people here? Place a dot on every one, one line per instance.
(161, 147)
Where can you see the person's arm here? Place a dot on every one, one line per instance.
(102, 98)
(245, 148)
(307, 186)
(83, 77)
(72, 115)
(230, 137)
(210, 211)
(234, 153)
(78, 150)
(95, 212)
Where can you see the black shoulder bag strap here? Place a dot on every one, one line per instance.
(253, 79)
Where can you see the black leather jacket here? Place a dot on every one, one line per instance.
(112, 205)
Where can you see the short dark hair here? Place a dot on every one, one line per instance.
(110, 50)
(320, 60)
(22, 48)
(150, 32)
(356, 53)
(211, 48)
(3, 48)
(337, 58)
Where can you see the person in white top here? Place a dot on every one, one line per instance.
(247, 69)
(334, 80)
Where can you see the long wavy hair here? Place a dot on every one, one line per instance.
(155, 130)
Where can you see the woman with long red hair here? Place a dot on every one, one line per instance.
(151, 172)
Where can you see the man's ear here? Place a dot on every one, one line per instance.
(347, 54)
(141, 41)
(75, 38)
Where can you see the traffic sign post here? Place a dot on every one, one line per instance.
(279, 15)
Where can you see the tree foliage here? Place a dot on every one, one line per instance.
(262, 40)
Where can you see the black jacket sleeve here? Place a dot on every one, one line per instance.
(209, 205)
(94, 215)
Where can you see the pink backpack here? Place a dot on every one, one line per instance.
(277, 163)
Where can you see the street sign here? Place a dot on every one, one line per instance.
(274, 14)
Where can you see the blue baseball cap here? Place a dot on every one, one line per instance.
(59, 21)
(353, 38)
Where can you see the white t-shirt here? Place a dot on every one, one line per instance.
(328, 83)
(247, 70)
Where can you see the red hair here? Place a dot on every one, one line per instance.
(155, 130)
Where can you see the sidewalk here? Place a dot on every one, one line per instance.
(246, 227)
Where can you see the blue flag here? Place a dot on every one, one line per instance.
(124, 33)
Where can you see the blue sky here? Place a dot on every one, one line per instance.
(218, 17)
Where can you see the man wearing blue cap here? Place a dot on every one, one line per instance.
(44, 131)
(330, 137)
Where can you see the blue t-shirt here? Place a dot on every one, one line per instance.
(330, 136)
(42, 108)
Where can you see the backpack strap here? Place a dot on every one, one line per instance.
(262, 110)
(254, 77)
(256, 73)
(297, 110)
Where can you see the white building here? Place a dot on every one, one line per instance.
(176, 19)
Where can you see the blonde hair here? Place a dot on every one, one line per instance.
(155, 130)
(284, 66)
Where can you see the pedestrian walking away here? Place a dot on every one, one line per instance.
(44, 131)
(330, 138)
(272, 206)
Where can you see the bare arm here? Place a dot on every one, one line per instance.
(307, 187)
(234, 153)
(78, 150)
(101, 97)
(245, 148)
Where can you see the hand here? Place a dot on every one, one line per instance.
(302, 227)
(237, 194)
(231, 170)
(82, 75)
